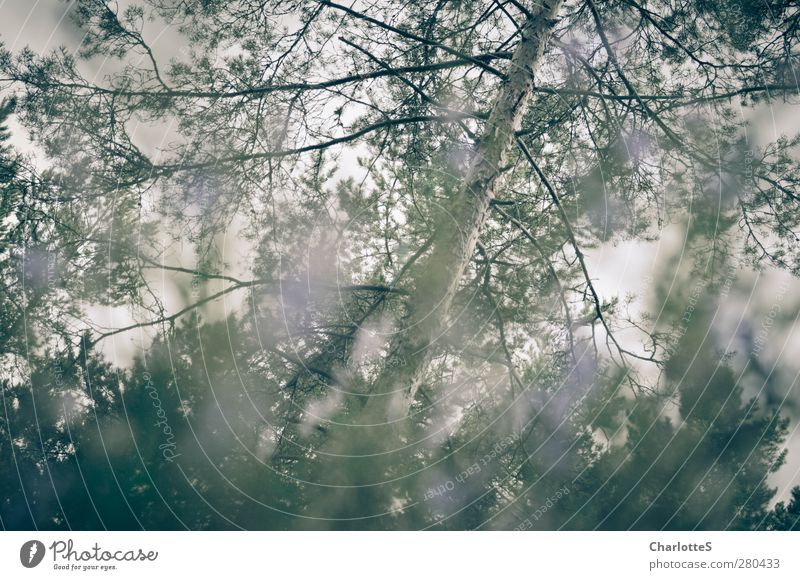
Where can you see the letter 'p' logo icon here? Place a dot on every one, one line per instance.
(31, 553)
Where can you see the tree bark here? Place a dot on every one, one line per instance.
(358, 464)
(454, 241)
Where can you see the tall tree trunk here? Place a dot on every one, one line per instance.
(438, 277)
(359, 466)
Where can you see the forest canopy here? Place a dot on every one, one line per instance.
(354, 248)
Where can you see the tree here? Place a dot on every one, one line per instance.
(418, 294)
(707, 470)
(785, 517)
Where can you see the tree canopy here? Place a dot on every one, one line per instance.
(395, 206)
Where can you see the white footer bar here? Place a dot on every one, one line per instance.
(410, 555)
